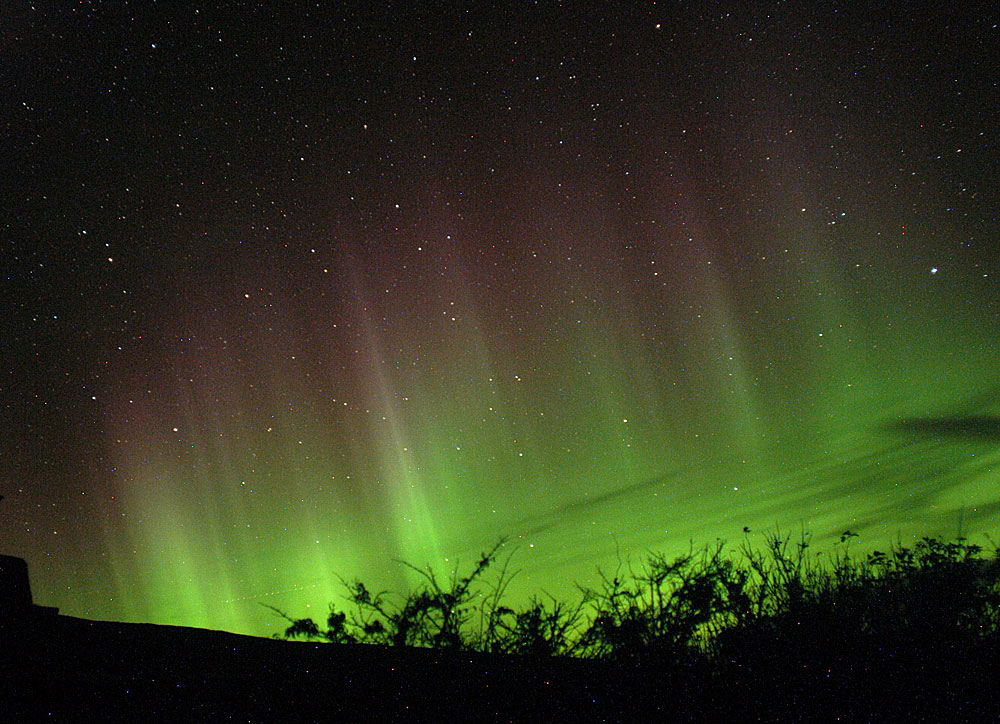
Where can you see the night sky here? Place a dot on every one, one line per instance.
(295, 293)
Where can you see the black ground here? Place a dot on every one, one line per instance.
(65, 669)
(69, 669)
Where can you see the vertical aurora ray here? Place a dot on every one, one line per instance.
(412, 521)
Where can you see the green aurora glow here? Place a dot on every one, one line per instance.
(761, 307)
(601, 433)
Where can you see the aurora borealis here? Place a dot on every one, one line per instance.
(297, 293)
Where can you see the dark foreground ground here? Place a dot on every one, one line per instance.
(65, 669)
(68, 669)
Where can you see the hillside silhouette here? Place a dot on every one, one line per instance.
(774, 632)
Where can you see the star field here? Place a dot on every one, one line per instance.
(295, 293)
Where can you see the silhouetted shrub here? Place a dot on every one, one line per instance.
(759, 614)
(789, 633)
